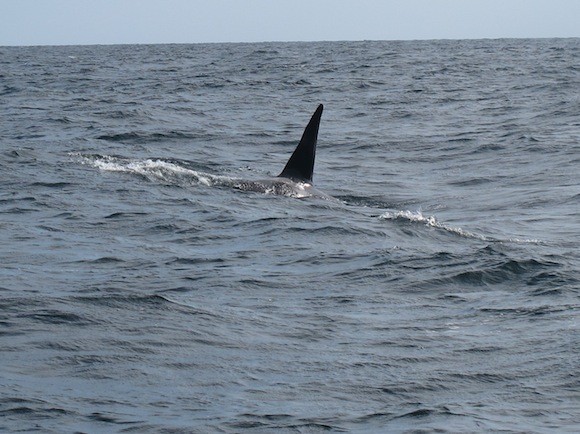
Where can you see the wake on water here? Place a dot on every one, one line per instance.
(153, 170)
(173, 173)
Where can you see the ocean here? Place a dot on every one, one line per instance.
(437, 290)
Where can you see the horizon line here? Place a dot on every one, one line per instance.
(91, 44)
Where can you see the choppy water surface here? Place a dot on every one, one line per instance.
(141, 291)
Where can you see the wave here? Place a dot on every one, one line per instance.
(153, 169)
(141, 137)
(431, 221)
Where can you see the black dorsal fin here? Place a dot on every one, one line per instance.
(301, 164)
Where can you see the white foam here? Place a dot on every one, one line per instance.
(430, 221)
(152, 169)
(525, 241)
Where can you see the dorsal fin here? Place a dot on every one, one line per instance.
(301, 164)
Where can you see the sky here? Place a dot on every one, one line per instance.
(82, 22)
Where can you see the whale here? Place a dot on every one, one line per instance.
(295, 180)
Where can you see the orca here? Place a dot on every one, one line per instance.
(295, 180)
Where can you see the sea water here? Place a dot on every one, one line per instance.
(140, 291)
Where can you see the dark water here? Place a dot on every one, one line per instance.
(140, 292)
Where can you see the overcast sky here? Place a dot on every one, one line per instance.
(73, 22)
